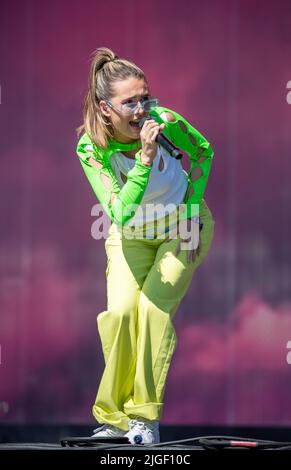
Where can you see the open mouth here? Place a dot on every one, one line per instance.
(134, 124)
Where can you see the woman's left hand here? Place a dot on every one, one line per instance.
(188, 238)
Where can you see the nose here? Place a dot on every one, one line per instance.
(139, 111)
(139, 106)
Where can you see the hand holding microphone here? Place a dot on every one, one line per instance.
(150, 134)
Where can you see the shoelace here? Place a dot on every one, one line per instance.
(103, 426)
(143, 425)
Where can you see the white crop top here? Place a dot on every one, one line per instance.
(165, 187)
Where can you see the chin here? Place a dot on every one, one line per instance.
(133, 133)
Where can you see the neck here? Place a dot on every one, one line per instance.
(125, 146)
(130, 153)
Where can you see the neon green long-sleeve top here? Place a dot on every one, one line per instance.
(127, 199)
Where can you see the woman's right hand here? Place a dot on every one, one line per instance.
(148, 134)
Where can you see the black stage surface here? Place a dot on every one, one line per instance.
(180, 445)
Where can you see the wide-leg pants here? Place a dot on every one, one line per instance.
(146, 282)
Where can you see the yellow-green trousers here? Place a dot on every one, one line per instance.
(146, 282)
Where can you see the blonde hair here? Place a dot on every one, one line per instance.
(106, 68)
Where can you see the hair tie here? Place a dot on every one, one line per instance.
(107, 62)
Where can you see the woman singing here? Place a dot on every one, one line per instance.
(161, 230)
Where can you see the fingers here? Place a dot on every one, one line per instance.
(199, 247)
(193, 256)
(152, 122)
(196, 251)
(153, 134)
(148, 136)
(191, 253)
(178, 248)
(172, 235)
(188, 246)
(153, 127)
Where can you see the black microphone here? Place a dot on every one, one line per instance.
(164, 141)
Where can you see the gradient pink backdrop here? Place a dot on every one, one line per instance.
(224, 65)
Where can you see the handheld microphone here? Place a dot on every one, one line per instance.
(164, 141)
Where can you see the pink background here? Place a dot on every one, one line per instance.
(224, 65)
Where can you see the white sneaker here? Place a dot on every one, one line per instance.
(143, 431)
(108, 430)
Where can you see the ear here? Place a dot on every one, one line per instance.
(104, 108)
